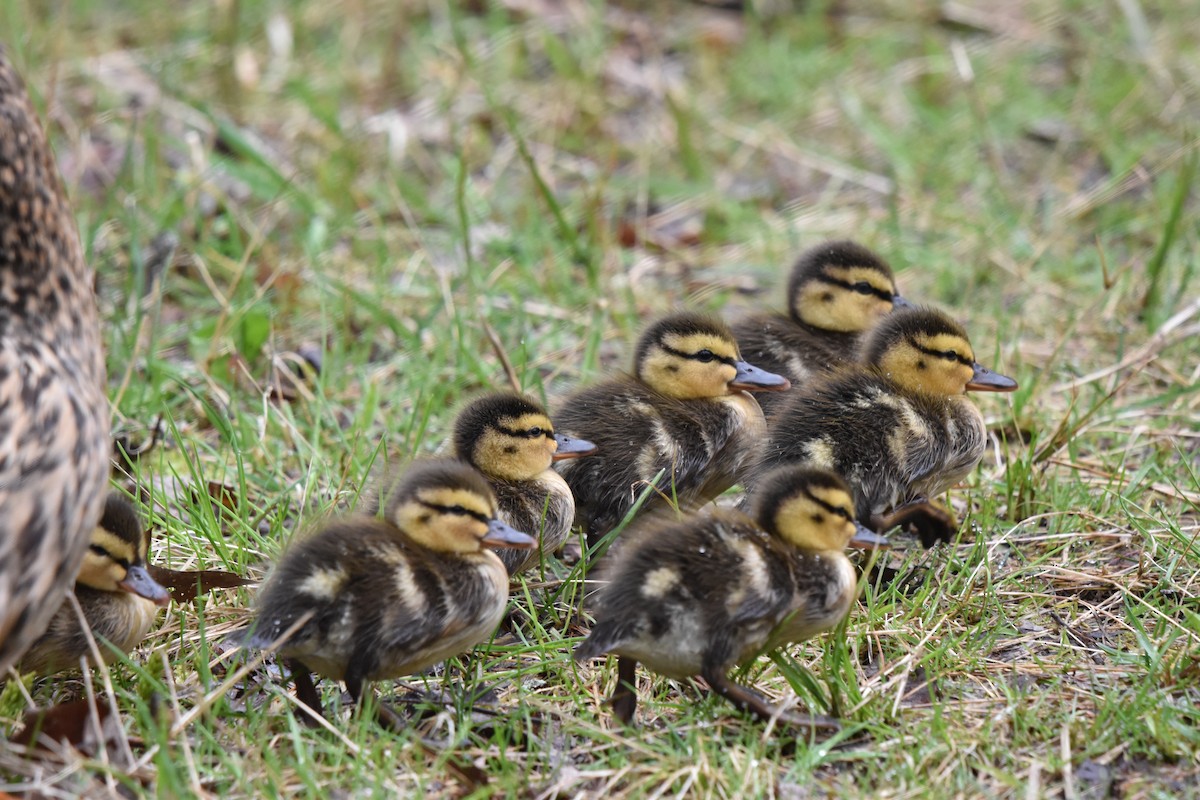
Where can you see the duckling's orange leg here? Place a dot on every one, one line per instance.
(747, 700)
(306, 693)
(931, 522)
(624, 696)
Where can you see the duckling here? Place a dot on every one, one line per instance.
(685, 411)
(54, 422)
(898, 425)
(510, 439)
(118, 597)
(699, 596)
(377, 598)
(836, 292)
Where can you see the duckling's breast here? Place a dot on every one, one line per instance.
(124, 619)
(466, 612)
(964, 444)
(824, 589)
(120, 618)
(741, 437)
(543, 507)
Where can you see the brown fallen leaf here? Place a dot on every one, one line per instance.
(67, 722)
(223, 494)
(187, 585)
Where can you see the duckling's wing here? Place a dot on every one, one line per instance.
(640, 434)
(632, 447)
(698, 592)
(851, 424)
(320, 575)
(381, 607)
(952, 445)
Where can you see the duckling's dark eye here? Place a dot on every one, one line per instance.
(534, 433)
(98, 550)
(705, 356)
(843, 513)
(863, 287)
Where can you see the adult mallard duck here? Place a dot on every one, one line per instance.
(116, 593)
(511, 440)
(54, 418)
(698, 596)
(381, 597)
(685, 411)
(836, 291)
(898, 425)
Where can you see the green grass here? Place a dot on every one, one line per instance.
(401, 173)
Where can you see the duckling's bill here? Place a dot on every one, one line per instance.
(752, 379)
(138, 581)
(984, 380)
(866, 539)
(570, 447)
(500, 534)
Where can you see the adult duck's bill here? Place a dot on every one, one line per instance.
(984, 380)
(750, 378)
(500, 534)
(572, 448)
(138, 581)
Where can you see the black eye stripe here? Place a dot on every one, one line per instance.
(949, 355)
(832, 509)
(457, 510)
(100, 551)
(696, 356)
(536, 432)
(880, 293)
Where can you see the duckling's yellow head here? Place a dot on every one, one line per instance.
(510, 437)
(811, 509)
(448, 506)
(924, 350)
(116, 558)
(691, 356)
(841, 286)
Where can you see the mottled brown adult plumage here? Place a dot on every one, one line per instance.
(54, 421)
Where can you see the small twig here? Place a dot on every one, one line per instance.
(1078, 638)
(1139, 359)
(498, 347)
